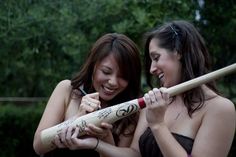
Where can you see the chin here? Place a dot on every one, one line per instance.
(107, 98)
(166, 85)
(162, 84)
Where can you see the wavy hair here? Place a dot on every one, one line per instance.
(183, 37)
(127, 56)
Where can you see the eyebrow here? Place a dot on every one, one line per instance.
(105, 66)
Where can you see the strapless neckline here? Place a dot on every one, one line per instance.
(149, 148)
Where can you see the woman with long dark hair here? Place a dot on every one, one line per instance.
(110, 75)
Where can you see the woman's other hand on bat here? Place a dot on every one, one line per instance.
(103, 132)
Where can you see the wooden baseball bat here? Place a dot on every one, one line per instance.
(119, 111)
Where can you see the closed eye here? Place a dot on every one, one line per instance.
(155, 58)
(106, 72)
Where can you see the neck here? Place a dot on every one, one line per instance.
(104, 103)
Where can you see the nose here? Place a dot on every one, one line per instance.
(113, 80)
(153, 67)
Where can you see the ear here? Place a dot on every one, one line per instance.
(178, 55)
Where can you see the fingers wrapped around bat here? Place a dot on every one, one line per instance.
(58, 142)
(151, 98)
(165, 94)
(69, 133)
(63, 139)
(99, 132)
(156, 97)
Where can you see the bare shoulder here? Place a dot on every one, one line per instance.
(66, 84)
(63, 89)
(221, 105)
(216, 132)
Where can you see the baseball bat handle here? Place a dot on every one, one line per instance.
(119, 111)
(185, 86)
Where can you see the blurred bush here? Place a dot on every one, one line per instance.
(17, 127)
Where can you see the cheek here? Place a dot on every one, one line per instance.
(97, 79)
(95, 84)
(175, 72)
(123, 84)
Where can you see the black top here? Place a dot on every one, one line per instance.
(149, 148)
(72, 153)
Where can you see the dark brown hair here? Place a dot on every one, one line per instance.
(183, 37)
(127, 56)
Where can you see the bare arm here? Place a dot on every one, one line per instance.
(53, 113)
(213, 138)
(216, 133)
(157, 104)
(109, 150)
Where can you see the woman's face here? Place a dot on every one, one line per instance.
(164, 64)
(107, 79)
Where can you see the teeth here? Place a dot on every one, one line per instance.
(161, 75)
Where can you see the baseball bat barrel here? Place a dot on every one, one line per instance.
(109, 114)
(122, 110)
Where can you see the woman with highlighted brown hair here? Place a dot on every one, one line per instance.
(110, 75)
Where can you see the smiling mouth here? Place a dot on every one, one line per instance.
(108, 90)
(161, 76)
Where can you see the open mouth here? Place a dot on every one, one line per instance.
(108, 91)
(160, 76)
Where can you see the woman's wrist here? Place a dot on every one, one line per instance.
(109, 139)
(95, 148)
(158, 126)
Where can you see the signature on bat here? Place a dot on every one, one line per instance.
(82, 126)
(104, 113)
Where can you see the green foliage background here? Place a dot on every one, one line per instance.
(45, 41)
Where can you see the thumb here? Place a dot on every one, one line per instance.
(163, 90)
(94, 95)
